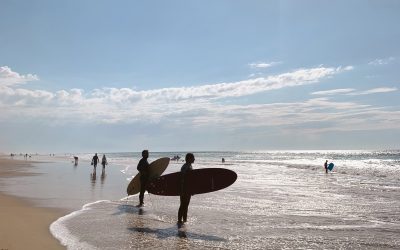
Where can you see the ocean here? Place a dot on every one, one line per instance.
(281, 200)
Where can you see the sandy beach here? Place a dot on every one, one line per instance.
(23, 224)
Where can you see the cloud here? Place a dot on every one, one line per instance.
(353, 91)
(204, 105)
(383, 61)
(9, 77)
(332, 92)
(374, 91)
(316, 115)
(263, 65)
(209, 91)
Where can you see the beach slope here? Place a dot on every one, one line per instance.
(24, 226)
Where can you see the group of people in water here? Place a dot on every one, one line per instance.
(95, 161)
(143, 168)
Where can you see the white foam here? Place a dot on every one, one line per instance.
(66, 238)
(129, 196)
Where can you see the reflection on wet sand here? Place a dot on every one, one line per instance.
(172, 232)
(103, 176)
(93, 178)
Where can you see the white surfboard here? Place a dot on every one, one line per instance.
(156, 168)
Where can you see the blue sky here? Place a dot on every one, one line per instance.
(85, 76)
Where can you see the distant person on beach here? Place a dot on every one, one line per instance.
(326, 166)
(143, 167)
(223, 160)
(185, 196)
(76, 160)
(175, 158)
(104, 161)
(95, 160)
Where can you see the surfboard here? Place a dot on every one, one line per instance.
(156, 168)
(330, 166)
(198, 181)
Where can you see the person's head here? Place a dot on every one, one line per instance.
(104, 156)
(145, 153)
(95, 154)
(189, 158)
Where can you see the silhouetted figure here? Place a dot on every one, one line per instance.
(175, 158)
(104, 161)
(223, 160)
(95, 160)
(185, 195)
(76, 160)
(143, 167)
(326, 166)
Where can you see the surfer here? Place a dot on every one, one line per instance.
(185, 195)
(326, 166)
(104, 161)
(95, 160)
(142, 167)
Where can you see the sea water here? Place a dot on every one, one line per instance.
(281, 200)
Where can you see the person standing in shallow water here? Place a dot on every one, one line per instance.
(104, 161)
(143, 168)
(95, 160)
(185, 195)
(326, 166)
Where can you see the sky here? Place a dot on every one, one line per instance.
(122, 76)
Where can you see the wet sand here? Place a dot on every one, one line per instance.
(23, 225)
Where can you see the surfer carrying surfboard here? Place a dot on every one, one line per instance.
(185, 195)
(142, 167)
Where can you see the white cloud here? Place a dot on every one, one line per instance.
(127, 96)
(311, 116)
(201, 105)
(9, 77)
(263, 65)
(353, 91)
(332, 92)
(374, 91)
(349, 67)
(382, 61)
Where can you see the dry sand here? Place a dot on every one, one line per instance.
(22, 225)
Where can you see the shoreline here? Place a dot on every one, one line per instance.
(24, 224)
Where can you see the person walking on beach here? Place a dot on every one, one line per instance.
(95, 160)
(143, 167)
(326, 166)
(76, 160)
(185, 195)
(104, 161)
